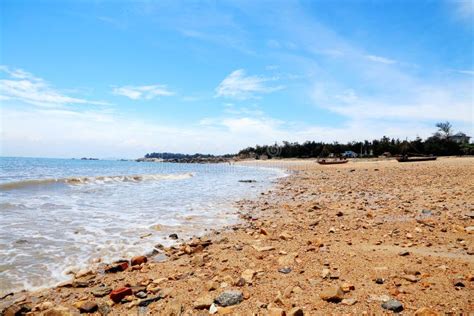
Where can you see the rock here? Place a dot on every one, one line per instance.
(285, 235)
(141, 294)
(411, 278)
(87, 307)
(203, 302)
(16, 310)
(118, 294)
(104, 309)
(333, 294)
(325, 273)
(247, 275)
(378, 298)
(295, 311)
(403, 253)
(43, 306)
(393, 305)
(263, 231)
(173, 236)
(274, 311)
(469, 229)
(138, 260)
(229, 298)
(347, 287)
(425, 311)
(118, 267)
(148, 301)
(285, 270)
(213, 309)
(212, 285)
(379, 281)
(101, 291)
(349, 301)
(79, 284)
(458, 283)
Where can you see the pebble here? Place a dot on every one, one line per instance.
(121, 266)
(229, 298)
(118, 294)
(333, 294)
(393, 305)
(203, 302)
(285, 270)
(138, 260)
(403, 253)
(101, 291)
(349, 301)
(173, 236)
(148, 301)
(379, 281)
(347, 287)
(247, 275)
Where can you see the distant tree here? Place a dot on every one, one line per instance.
(444, 129)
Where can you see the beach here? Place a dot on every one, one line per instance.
(366, 237)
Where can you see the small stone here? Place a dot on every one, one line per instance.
(138, 260)
(334, 294)
(339, 214)
(425, 311)
(148, 301)
(229, 298)
(264, 248)
(118, 294)
(121, 266)
(379, 281)
(213, 309)
(285, 270)
(411, 278)
(101, 291)
(87, 307)
(347, 287)
(403, 253)
(204, 302)
(247, 275)
(325, 273)
(43, 306)
(295, 311)
(393, 305)
(349, 301)
(263, 231)
(141, 294)
(458, 283)
(58, 311)
(212, 285)
(173, 236)
(285, 236)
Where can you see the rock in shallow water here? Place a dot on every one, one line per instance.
(393, 305)
(229, 298)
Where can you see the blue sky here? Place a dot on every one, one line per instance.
(122, 78)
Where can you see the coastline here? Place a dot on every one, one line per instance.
(318, 228)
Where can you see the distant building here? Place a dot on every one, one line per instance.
(349, 154)
(460, 138)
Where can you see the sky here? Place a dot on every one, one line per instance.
(124, 78)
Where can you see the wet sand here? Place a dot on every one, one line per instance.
(340, 239)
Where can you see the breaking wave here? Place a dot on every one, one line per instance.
(93, 180)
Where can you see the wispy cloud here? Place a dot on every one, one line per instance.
(464, 8)
(380, 59)
(240, 86)
(466, 72)
(143, 92)
(25, 87)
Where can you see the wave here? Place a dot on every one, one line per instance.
(92, 180)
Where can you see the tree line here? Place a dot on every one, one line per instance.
(441, 143)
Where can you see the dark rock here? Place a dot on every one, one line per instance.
(393, 305)
(118, 294)
(403, 253)
(141, 294)
(101, 291)
(173, 236)
(248, 181)
(16, 310)
(458, 283)
(379, 280)
(285, 270)
(150, 300)
(229, 298)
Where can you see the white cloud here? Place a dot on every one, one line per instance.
(380, 59)
(25, 87)
(240, 86)
(143, 92)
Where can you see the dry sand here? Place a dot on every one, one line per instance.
(362, 232)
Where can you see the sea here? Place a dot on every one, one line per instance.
(59, 216)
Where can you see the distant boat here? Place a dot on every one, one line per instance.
(331, 162)
(415, 159)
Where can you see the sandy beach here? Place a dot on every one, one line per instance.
(366, 237)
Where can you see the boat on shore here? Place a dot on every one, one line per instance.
(331, 162)
(416, 159)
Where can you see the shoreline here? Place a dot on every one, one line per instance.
(305, 239)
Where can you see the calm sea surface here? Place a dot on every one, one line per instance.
(59, 215)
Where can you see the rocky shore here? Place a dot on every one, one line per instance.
(361, 238)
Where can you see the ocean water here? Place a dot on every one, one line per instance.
(60, 215)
